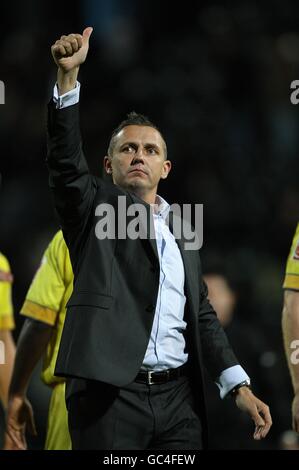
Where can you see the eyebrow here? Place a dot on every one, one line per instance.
(152, 145)
(134, 144)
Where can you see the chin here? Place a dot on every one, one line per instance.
(136, 185)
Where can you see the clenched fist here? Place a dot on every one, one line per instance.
(69, 52)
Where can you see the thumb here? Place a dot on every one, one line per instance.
(86, 34)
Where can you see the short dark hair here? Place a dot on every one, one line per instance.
(134, 119)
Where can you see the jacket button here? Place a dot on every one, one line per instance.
(150, 308)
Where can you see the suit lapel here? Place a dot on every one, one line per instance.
(189, 257)
(190, 262)
(147, 228)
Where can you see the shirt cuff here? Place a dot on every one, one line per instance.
(68, 99)
(229, 378)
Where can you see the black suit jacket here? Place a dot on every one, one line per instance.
(111, 311)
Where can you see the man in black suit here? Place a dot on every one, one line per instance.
(139, 326)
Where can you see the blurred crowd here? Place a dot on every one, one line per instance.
(215, 77)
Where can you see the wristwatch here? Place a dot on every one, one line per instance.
(245, 383)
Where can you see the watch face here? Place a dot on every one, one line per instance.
(245, 383)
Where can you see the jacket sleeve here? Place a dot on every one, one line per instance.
(217, 352)
(72, 186)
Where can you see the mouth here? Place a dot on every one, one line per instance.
(138, 171)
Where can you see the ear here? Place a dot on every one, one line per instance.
(107, 165)
(166, 169)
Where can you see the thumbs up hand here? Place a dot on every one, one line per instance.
(69, 52)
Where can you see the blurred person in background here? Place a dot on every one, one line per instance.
(44, 309)
(290, 322)
(7, 346)
(289, 440)
(232, 431)
(222, 296)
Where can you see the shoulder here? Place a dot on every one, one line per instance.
(294, 252)
(4, 264)
(57, 249)
(296, 236)
(57, 241)
(291, 280)
(108, 187)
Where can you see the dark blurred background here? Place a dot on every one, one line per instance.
(215, 77)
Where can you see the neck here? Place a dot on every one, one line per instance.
(147, 196)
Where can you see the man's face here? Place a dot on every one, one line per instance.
(138, 162)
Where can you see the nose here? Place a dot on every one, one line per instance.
(138, 157)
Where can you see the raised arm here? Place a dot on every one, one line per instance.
(72, 185)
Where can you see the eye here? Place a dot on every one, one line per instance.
(151, 150)
(128, 149)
